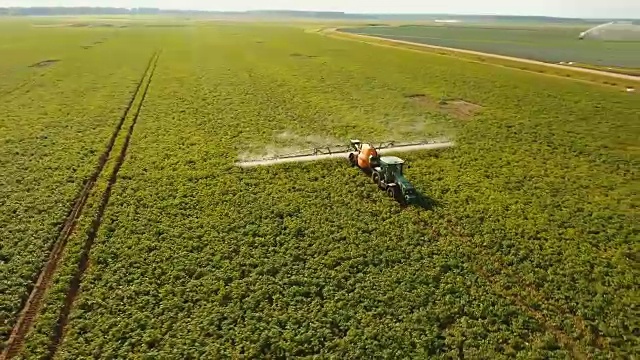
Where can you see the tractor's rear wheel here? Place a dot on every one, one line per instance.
(375, 177)
(353, 159)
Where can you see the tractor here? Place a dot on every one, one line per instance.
(386, 172)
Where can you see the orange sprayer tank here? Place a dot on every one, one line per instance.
(366, 152)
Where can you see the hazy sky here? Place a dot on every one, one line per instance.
(568, 8)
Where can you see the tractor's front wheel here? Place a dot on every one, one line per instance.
(396, 194)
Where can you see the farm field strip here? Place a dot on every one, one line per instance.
(523, 299)
(21, 86)
(26, 84)
(568, 328)
(33, 303)
(566, 322)
(593, 331)
(549, 315)
(24, 56)
(560, 335)
(542, 43)
(497, 56)
(194, 251)
(525, 250)
(31, 78)
(51, 138)
(41, 340)
(74, 286)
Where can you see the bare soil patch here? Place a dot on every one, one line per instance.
(298, 55)
(165, 25)
(97, 25)
(461, 109)
(44, 63)
(457, 108)
(51, 25)
(95, 43)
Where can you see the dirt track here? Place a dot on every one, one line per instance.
(74, 286)
(495, 56)
(32, 306)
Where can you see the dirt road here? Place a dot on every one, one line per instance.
(379, 37)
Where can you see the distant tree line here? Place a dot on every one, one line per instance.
(44, 11)
(51, 11)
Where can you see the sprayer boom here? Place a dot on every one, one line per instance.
(342, 151)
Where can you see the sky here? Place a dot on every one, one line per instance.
(563, 8)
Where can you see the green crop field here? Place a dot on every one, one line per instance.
(119, 158)
(543, 43)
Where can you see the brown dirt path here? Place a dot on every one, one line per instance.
(488, 55)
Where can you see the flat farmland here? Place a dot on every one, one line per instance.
(527, 246)
(60, 105)
(552, 44)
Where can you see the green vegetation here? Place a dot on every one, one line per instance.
(549, 44)
(529, 246)
(540, 68)
(56, 122)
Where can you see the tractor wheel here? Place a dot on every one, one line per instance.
(393, 192)
(353, 159)
(375, 177)
(396, 194)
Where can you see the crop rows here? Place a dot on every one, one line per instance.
(49, 155)
(24, 46)
(33, 303)
(48, 331)
(527, 250)
(543, 44)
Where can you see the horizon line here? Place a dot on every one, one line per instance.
(318, 11)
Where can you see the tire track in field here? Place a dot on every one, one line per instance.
(32, 306)
(17, 88)
(477, 265)
(74, 286)
(558, 333)
(26, 84)
(597, 341)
